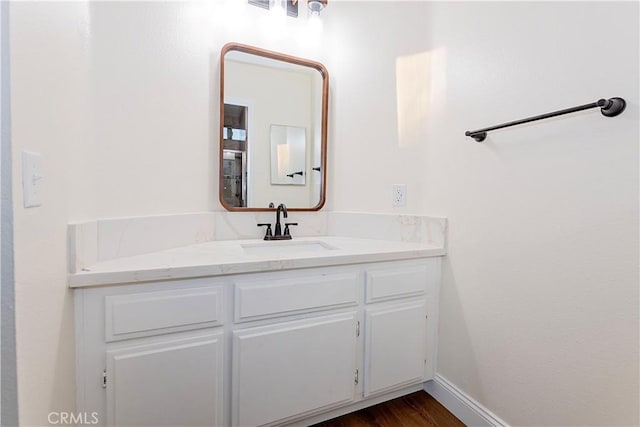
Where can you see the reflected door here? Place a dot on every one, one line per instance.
(234, 155)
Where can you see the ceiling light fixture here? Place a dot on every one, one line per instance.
(290, 7)
(316, 6)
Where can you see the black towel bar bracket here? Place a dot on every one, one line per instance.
(608, 107)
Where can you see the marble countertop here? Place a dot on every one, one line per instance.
(225, 257)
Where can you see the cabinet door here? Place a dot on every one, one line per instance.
(293, 368)
(395, 350)
(172, 382)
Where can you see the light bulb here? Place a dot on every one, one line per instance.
(277, 9)
(275, 23)
(315, 25)
(236, 15)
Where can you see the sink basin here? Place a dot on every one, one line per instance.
(286, 247)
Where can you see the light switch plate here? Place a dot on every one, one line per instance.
(31, 179)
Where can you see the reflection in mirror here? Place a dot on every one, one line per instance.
(288, 155)
(234, 155)
(272, 130)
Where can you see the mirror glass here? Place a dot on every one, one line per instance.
(273, 125)
(288, 155)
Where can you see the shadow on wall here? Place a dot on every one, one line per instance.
(463, 346)
(64, 371)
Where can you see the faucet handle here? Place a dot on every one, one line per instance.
(268, 233)
(286, 227)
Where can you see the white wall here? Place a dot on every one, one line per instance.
(539, 309)
(539, 314)
(161, 67)
(370, 146)
(50, 115)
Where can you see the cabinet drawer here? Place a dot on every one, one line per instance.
(153, 313)
(275, 297)
(395, 282)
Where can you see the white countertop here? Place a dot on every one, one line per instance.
(233, 257)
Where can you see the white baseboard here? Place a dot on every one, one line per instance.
(461, 404)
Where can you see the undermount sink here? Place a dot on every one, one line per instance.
(286, 247)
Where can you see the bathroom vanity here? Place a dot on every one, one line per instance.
(248, 332)
(253, 332)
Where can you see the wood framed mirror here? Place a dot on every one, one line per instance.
(273, 130)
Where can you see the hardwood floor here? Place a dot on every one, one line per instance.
(417, 409)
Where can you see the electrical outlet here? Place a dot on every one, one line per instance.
(399, 195)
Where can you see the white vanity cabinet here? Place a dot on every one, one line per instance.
(305, 358)
(395, 348)
(399, 342)
(166, 382)
(286, 370)
(272, 348)
(151, 355)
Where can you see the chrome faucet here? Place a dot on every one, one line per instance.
(278, 234)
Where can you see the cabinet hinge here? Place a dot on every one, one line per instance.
(355, 378)
(104, 378)
(358, 328)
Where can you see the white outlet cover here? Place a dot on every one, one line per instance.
(399, 195)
